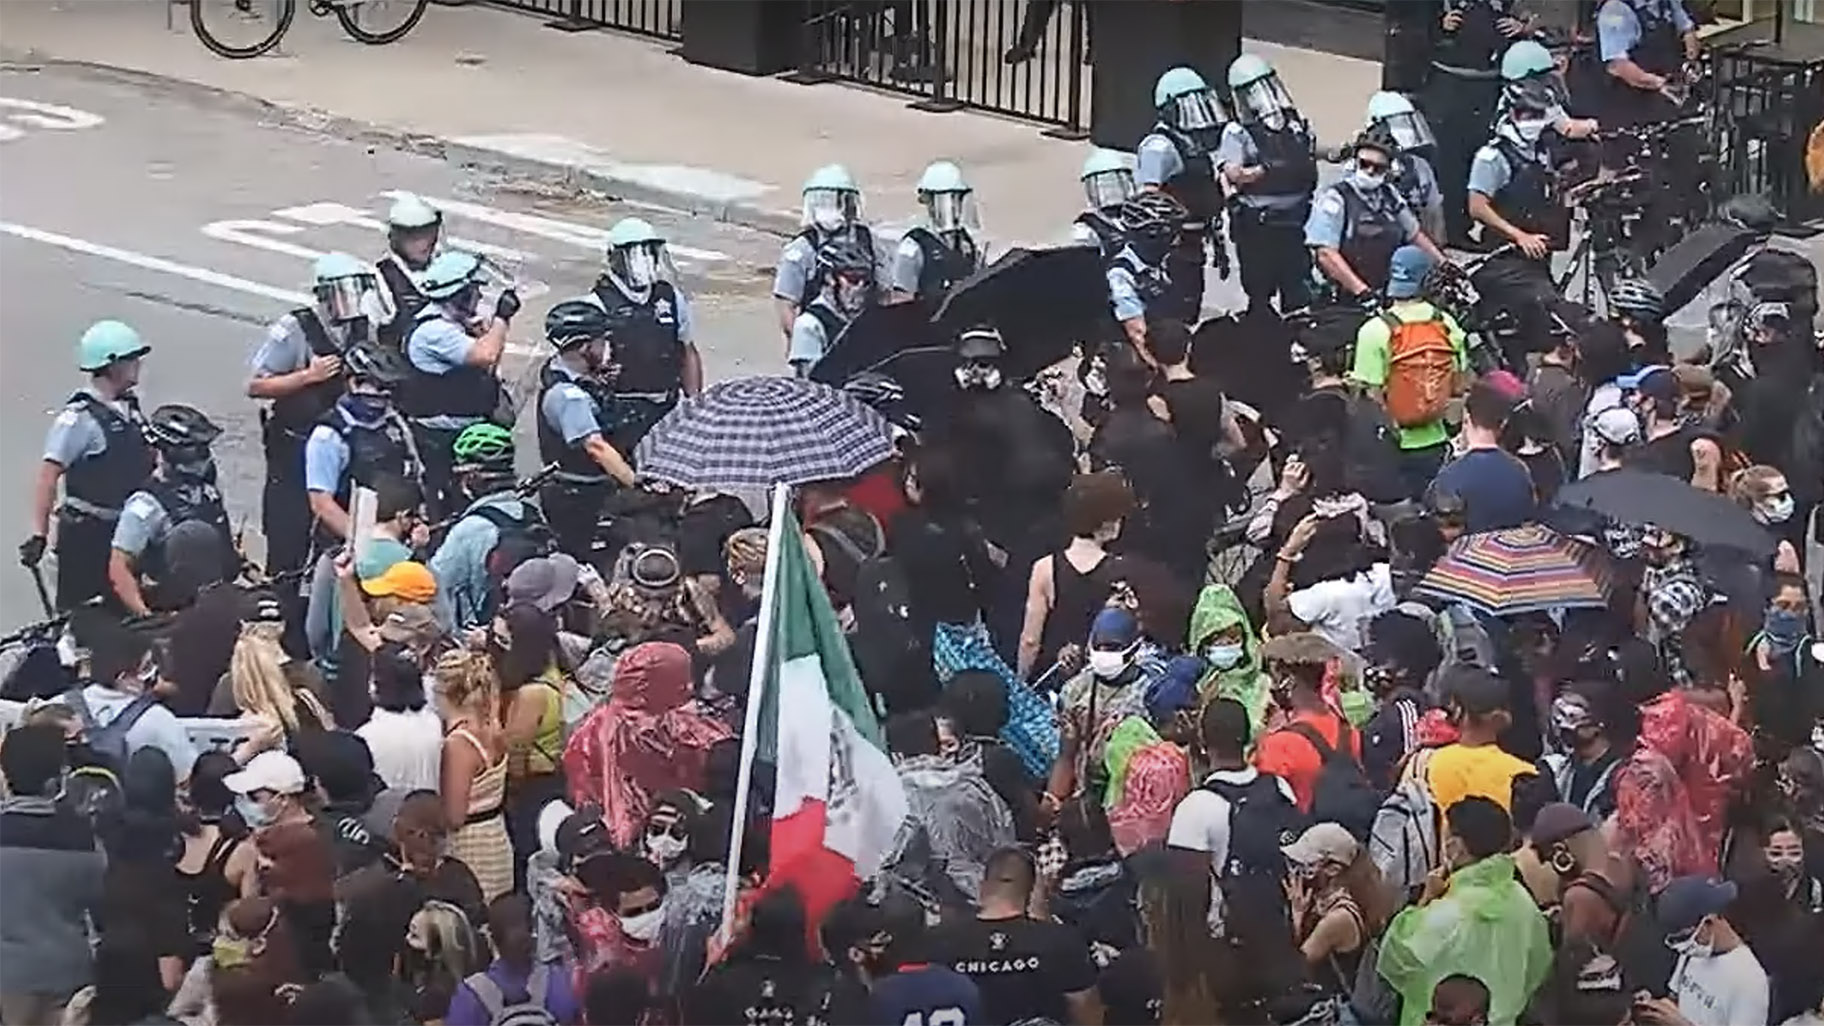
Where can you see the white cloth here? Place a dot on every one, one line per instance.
(1723, 990)
(407, 747)
(1339, 610)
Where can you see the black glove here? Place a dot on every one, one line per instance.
(507, 305)
(31, 551)
(1370, 301)
(1219, 255)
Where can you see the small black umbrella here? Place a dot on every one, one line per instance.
(1042, 301)
(873, 338)
(1640, 497)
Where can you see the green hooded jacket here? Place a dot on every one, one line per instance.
(1218, 610)
(1486, 926)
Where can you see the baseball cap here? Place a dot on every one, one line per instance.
(1659, 384)
(1559, 821)
(546, 582)
(406, 580)
(410, 625)
(581, 836)
(1407, 272)
(268, 771)
(1323, 842)
(1114, 626)
(1687, 900)
(1617, 426)
(1632, 381)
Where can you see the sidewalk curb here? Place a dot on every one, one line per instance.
(570, 176)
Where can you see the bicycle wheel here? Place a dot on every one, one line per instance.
(271, 17)
(378, 22)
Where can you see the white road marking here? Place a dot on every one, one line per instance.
(43, 115)
(203, 275)
(580, 235)
(253, 232)
(326, 214)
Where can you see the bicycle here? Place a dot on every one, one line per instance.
(358, 18)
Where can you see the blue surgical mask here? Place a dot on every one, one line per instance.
(1784, 629)
(1776, 511)
(367, 408)
(252, 813)
(1224, 656)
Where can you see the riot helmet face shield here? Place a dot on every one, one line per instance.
(951, 211)
(641, 264)
(1108, 189)
(1266, 101)
(831, 210)
(1410, 131)
(1197, 114)
(341, 298)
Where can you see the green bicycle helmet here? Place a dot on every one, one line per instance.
(484, 445)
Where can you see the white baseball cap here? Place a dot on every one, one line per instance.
(267, 771)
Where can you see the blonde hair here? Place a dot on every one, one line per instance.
(450, 939)
(256, 673)
(746, 551)
(466, 683)
(1753, 484)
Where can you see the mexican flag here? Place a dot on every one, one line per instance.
(837, 802)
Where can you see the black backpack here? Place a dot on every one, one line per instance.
(893, 657)
(1343, 794)
(1262, 820)
(529, 535)
(1638, 944)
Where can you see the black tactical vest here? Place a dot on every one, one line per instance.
(552, 446)
(105, 479)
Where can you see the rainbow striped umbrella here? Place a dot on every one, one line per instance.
(1519, 570)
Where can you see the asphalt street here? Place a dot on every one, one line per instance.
(197, 223)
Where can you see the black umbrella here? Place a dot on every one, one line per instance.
(873, 338)
(1042, 301)
(1639, 498)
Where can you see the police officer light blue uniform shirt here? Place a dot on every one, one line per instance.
(1418, 184)
(74, 437)
(569, 410)
(809, 339)
(439, 345)
(1123, 290)
(1490, 172)
(1618, 27)
(143, 523)
(797, 265)
(1157, 161)
(285, 350)
(1237, 149)
(907, 265)
(1326, 227)
(326, 455)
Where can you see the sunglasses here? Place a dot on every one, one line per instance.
(1373, 167)
(677, 831)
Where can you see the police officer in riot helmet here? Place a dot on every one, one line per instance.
(298, 371)
(1108, 183)
(98, 449)
(942, 250)
(576, 411)
(413, 230)
(1464, 90)
(453, 352)
(181, 490)
(1139, 277)
(1393, 121)
(1357, 224)
(1179, 157)
(655, 350)
(361, 439)
(1514, 196)
(846, 271)
(832, 213)
(1269, 158)
(1644, 45)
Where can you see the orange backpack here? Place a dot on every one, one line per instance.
(1421, 370)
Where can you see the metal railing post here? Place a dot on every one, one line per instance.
(940, 101)
(1074, 127)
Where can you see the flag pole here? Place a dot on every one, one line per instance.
(756, 685)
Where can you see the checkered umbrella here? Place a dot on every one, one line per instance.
(747, 435)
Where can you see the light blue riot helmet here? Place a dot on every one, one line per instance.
(107, 343)
(450, 273)
(1187, 104)
(832, 200)
(636, 256)
(1525, 59)
(340, 282)
(947, 198)
(1108, 180)
(412, 229)
(1258, 94)
(1401, 120)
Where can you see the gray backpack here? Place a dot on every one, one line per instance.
(527, 1009)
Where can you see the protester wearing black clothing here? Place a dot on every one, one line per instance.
(1026, 968)
(1402, 655)
(768, 976)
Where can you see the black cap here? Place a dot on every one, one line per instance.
(582, 834)
(340, 763)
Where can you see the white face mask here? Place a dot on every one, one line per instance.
(1691, 947)
(1224, 656)
(1531, 128)
(643, 927)
(1108, 665)
(1777, 511)
(664, 849)
(1367, 181)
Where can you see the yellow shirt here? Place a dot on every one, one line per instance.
(1456, 772)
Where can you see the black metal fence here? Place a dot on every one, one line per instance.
(1767, 106)
(1025, 58)
(659, 18)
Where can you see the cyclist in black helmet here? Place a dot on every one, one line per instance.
(576, 416)
(360, 440)
(847, 269)
(182, 489)
(1138, 281)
